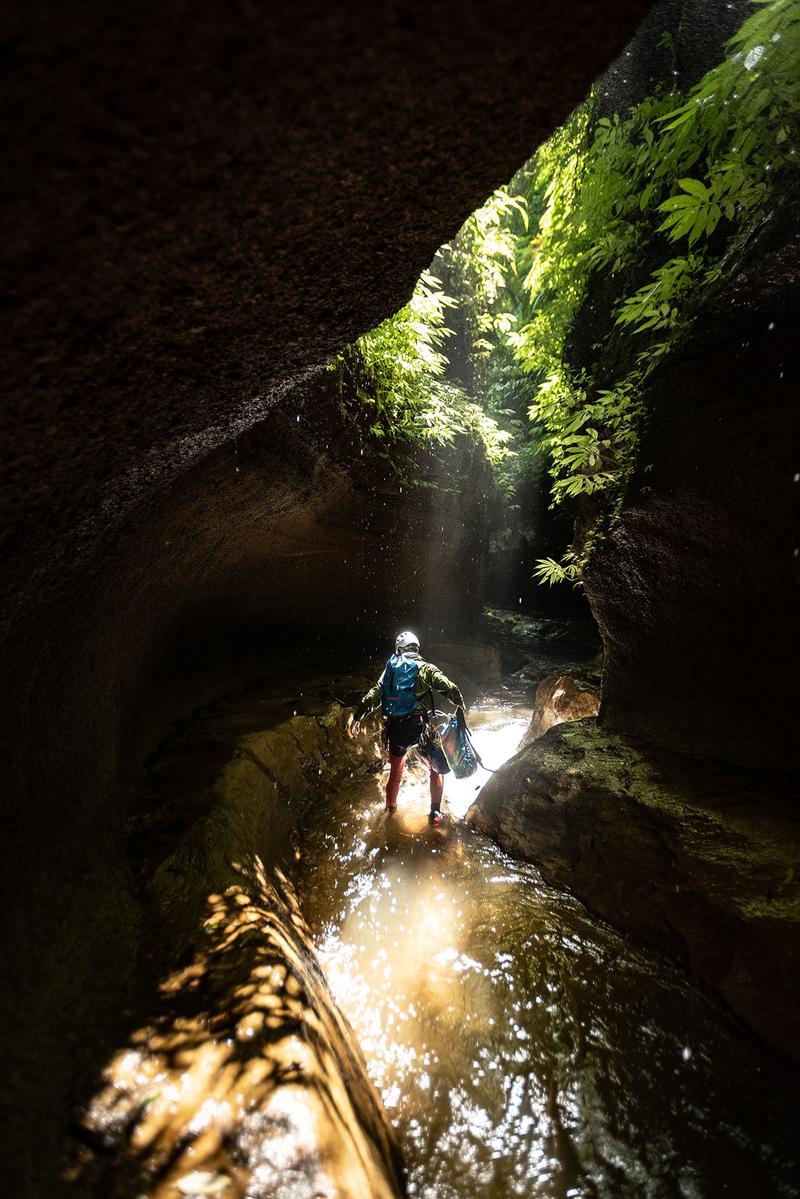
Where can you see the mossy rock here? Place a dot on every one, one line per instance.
(694, 857)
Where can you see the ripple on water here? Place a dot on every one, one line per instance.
(521, 1047)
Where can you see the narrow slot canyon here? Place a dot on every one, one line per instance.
(331, 322)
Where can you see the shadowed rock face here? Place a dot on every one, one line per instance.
(205, 204)
(201, 206)
(257, 560)
(697, 589)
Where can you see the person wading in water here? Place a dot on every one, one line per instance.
(405, 694)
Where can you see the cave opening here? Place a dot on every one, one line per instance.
(566, 461)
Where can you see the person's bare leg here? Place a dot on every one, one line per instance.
(393, 781)
(437, 790)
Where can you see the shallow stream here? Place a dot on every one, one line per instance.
(521, 1047)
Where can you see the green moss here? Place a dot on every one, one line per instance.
(734, 831)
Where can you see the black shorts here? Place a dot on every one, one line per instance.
(402, 732)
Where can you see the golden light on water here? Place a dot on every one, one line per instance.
(236, 1085)
(521, 1049)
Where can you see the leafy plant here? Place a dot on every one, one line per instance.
(568, 288)
(391, 385)
(385, 376)
(700, 174)
(550, 572)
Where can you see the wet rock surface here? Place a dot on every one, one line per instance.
(523, 1047)
(559, 698)
(694, 858)
(533, 646)
(236, 1071)
(562, 635)
(262, 558)
(240, 1076)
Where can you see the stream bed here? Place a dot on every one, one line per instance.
(522, 1047)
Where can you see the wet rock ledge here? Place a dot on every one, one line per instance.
(239, 1075)
(699, 860)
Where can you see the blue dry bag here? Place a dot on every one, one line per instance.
(458, 749)
(430, 747)
(397, 688)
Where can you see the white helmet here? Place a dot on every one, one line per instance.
(406, 641)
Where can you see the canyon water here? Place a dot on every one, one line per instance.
(522, 1048)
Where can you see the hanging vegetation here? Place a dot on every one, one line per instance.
(680, 188)
(652, 209)
(392, 386)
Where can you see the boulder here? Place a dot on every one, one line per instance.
(693, 858)
(559, 698)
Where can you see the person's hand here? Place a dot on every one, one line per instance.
(353, 726)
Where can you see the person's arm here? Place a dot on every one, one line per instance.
(367, 703)
(433, 677)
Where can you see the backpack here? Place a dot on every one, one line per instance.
(397, 688)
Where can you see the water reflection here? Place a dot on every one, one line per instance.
(522, 1048)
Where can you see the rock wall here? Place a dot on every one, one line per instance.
(674, 816)
(696, 591)
(238, 1073)
(202, 206)
(273, 554)
(695, 860)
